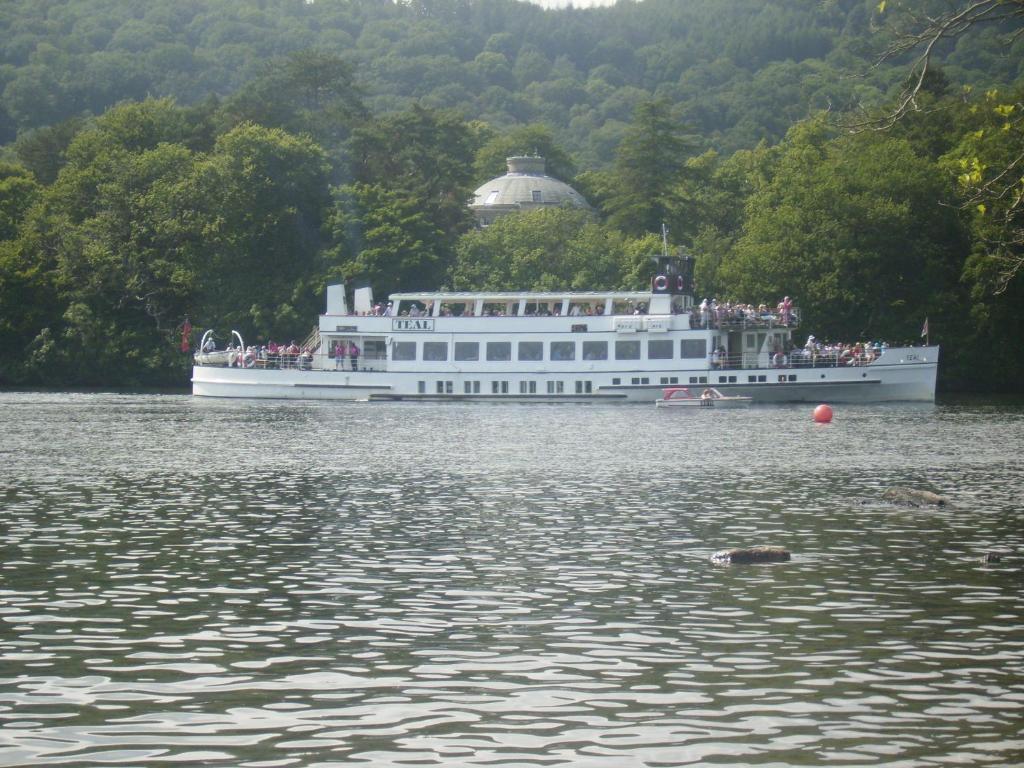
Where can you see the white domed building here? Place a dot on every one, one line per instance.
(525, 187)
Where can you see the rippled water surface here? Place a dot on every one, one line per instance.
(231, 583)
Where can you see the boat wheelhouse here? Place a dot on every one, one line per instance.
(589, 346)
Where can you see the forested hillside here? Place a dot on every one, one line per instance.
(739, 70)
(225, 159)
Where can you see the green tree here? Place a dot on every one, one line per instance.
(18, 192)
(642, 191)
(411, 188)
(851, 228)
(551, 249)
(307, 91)
(258, 202)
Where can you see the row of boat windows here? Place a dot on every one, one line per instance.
(533, 351)
(502, 387)
(582, 387)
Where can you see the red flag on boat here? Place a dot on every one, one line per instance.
(186, 331)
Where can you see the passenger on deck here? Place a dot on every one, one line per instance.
(785, 310)
(353, 356)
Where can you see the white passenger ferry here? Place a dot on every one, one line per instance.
(585, 346)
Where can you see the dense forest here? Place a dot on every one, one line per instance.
(224, 160)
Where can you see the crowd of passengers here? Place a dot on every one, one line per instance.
(709, 314)
(283, 356)
(270, 355)
(813, 354)
(551, 309)
(714, 314)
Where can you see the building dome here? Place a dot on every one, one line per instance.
(525, 187)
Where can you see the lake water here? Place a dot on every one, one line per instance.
(232, 583)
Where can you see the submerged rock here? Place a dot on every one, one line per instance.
(758, 554)
(912, 497)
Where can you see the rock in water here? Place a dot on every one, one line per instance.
(912, 497)
(759, 554)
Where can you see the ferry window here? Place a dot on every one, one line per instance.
(467, 350)
(692, 348)
(635, 380)
(595, 350)
(660, 349)
(536, 196)
(499, 387)
(792, 378)
(645, 380)
(531, 350)
(403, 350)
(471, 387)
(563, 350)
(374, 349)
(627, 350)
(616, 382)
(703, 380)
(499, 350)
(528, 387)
(440, 387)
(500, 308)
(583, 387)
(448, 387)
(763, 379)
(556, 387)
(693, 379)
(752, 379)
(421, 387)
(435, 350)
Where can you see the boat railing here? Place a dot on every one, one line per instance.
(744, 320)
(823, 360)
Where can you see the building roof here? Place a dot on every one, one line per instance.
(525, 186)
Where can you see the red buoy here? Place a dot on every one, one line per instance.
(823, 414)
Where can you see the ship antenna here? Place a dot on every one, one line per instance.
(664, 239)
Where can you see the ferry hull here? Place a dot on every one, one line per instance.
(893, 382)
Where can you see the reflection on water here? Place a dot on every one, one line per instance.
(297, 584)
